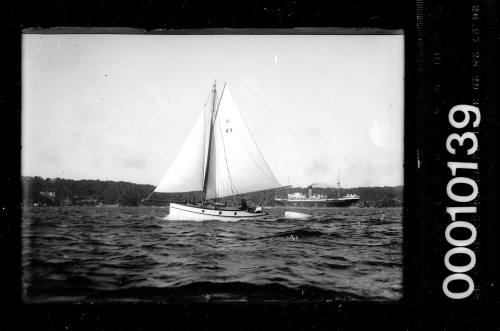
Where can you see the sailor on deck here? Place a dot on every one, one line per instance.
(244, 205)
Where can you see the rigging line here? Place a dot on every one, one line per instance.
(220, 99)
(272, 178)
(208, 98)
(150, 194)
(258, 149)
(225, 157)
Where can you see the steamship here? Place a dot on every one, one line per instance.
(311, 200)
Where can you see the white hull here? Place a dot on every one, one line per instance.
(180, 212)
(312, 203)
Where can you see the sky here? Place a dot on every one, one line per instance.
(119, 107)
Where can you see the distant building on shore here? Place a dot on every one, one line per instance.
(50, 195)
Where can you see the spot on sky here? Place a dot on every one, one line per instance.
(376, 134)
(276, 59)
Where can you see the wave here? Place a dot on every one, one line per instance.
(231, 291)
(327, 219)
(338, 266)
(151, 226)
(301, 233)
(79, 280)
(138, 263)
(384, 264)
(58, 264)
(361, 244)
(54, 237)
(136, 253)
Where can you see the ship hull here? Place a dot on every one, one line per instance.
(182, 212)
(316, 203)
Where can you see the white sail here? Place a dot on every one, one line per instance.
(187, 171)
(237, 166)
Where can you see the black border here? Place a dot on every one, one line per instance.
(422, 305)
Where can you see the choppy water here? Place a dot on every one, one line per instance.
(131, 253)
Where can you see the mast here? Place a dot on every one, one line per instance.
(205, 178)
(288, 186)
(338, 184)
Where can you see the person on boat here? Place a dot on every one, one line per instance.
(244, 205)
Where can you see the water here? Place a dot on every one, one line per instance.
(92, 254)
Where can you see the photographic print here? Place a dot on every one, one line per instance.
(217, 167)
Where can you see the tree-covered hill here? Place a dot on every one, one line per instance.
(60, 191)
(68, 191)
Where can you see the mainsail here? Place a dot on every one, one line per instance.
(236, 165)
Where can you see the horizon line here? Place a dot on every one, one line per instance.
(117, 181)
